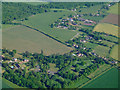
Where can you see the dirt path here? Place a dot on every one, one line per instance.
(75, 36)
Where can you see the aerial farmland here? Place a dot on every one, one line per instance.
(60, 45)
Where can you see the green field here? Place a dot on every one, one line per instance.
(107, 28)
(8, 84)
(114, 52)
(101, 50)
(108, 80)
(4, 26)
(114, 9)
(24, 39)
(36, 3)
(42, 22)
(101, 69)
(109, 44)
(78, 83)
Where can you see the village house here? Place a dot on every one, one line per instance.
(73, 54)
(51, 72)
(17, 66)
(15, 59)
(80, 55)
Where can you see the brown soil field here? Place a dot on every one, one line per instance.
(111, 18)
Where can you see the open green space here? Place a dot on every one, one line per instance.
(4, 26)
(114, 9)
(90, 45)
(107, 28)
(101, 50)
(36, 3)
(8, 84)
(24, 39)
(114, 52)
(53, 67)
(101, 69)
(43, 21)
(78, 83)
(109, 44)
(108, 80)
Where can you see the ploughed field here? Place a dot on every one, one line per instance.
(23, 39)
(111, 18)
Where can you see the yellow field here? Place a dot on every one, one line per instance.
(107, 28)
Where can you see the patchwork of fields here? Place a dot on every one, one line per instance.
(24, 39)
(108, 80)
(42, 22)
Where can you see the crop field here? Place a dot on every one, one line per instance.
(107, 28)
(24, 39)
(111, 18)
(114, 9)
(114, 52)
(42, 22)
(101, 50)
(108, 80)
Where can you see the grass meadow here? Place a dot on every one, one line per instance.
(24, 39)
(114, 52)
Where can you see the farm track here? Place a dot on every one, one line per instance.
(75, 36)
(95, 77)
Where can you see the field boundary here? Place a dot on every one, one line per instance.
(45, 34)
(95, 77)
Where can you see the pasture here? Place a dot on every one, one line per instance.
(43, 21)
(114, 52)
(114, 9)
(101, 50)
(111, 18)
(107, 80)
(107, 28)
(24, 39)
